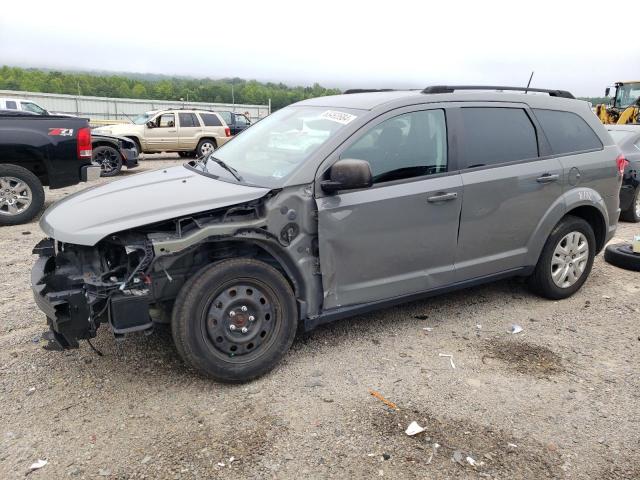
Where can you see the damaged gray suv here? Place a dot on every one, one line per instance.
(331, 207)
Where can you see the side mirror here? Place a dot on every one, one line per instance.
(151, 125)
(607, 91)
(348, 174)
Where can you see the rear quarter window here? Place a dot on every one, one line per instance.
(11, 105)
(567, 132)
(494, 135)
(210, 120)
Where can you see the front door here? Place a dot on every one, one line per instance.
(163, 136)
(399, 236)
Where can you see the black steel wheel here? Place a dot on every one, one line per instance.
(109, 160)
(235, 320)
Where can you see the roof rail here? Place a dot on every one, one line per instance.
(452, 88)
(367, 90)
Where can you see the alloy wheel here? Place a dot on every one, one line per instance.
(15, 196)
(570, 259)
(107, 159)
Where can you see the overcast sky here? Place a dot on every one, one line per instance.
(574, 45)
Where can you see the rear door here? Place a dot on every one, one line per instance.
(397, 237)
(508, 187)
(164, 135)
(189, 130)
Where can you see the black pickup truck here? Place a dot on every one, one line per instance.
(40, 150)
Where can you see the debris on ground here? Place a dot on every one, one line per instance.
(427, 329)
(471, 461)
(453, 365)
(37, 465)
(413, 429)
(146, 459)
(515, 328)
(457, 457)
(389, 404)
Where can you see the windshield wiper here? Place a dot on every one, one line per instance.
(228, 168)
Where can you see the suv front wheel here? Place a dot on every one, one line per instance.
(566, 259)
(234, 320)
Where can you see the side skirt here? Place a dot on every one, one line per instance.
(334, 314)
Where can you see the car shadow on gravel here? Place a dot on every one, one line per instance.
(405, 314)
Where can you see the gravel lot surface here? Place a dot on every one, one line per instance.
(558, 400)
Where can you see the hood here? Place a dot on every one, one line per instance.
(119, 129)
(86, 217)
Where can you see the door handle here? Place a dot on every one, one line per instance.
(548, 178)
(442, 197)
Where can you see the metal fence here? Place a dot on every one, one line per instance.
(123, 109)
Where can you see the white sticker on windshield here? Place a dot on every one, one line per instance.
(340, 117)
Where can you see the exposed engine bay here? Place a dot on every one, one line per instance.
(129, 277)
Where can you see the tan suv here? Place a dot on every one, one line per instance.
(185, 131)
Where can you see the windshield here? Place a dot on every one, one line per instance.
(627, 94)
(32, 107)
(144, 118)
(274, 147)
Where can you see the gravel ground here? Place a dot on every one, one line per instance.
(559, 400)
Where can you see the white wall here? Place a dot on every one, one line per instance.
(102, 108)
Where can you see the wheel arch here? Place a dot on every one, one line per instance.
(258, 249)
(584, 203)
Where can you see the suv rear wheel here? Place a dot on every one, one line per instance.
(205, 146)
(235, 320)
(21, 195)
(566, 259)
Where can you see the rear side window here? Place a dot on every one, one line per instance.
(496, 135)
(210, 120)
(567, 132)
(188, 120)
(11, 105)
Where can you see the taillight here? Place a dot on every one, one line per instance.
(227, 131)
(621, 163)
(84, 143)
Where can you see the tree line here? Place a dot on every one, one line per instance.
(162, 87)
(158, 87)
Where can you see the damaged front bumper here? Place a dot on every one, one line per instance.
(69, 289)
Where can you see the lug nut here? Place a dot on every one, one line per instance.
(243, 308)
(232, 313)
(232, 327)
(244, 330)
(251, 318)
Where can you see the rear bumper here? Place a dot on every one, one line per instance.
(89, 173)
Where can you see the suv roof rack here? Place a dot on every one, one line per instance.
(452, 88)
(367, 90)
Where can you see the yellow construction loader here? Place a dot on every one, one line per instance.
(624, 107)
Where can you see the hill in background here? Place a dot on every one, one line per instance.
(157, 87)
